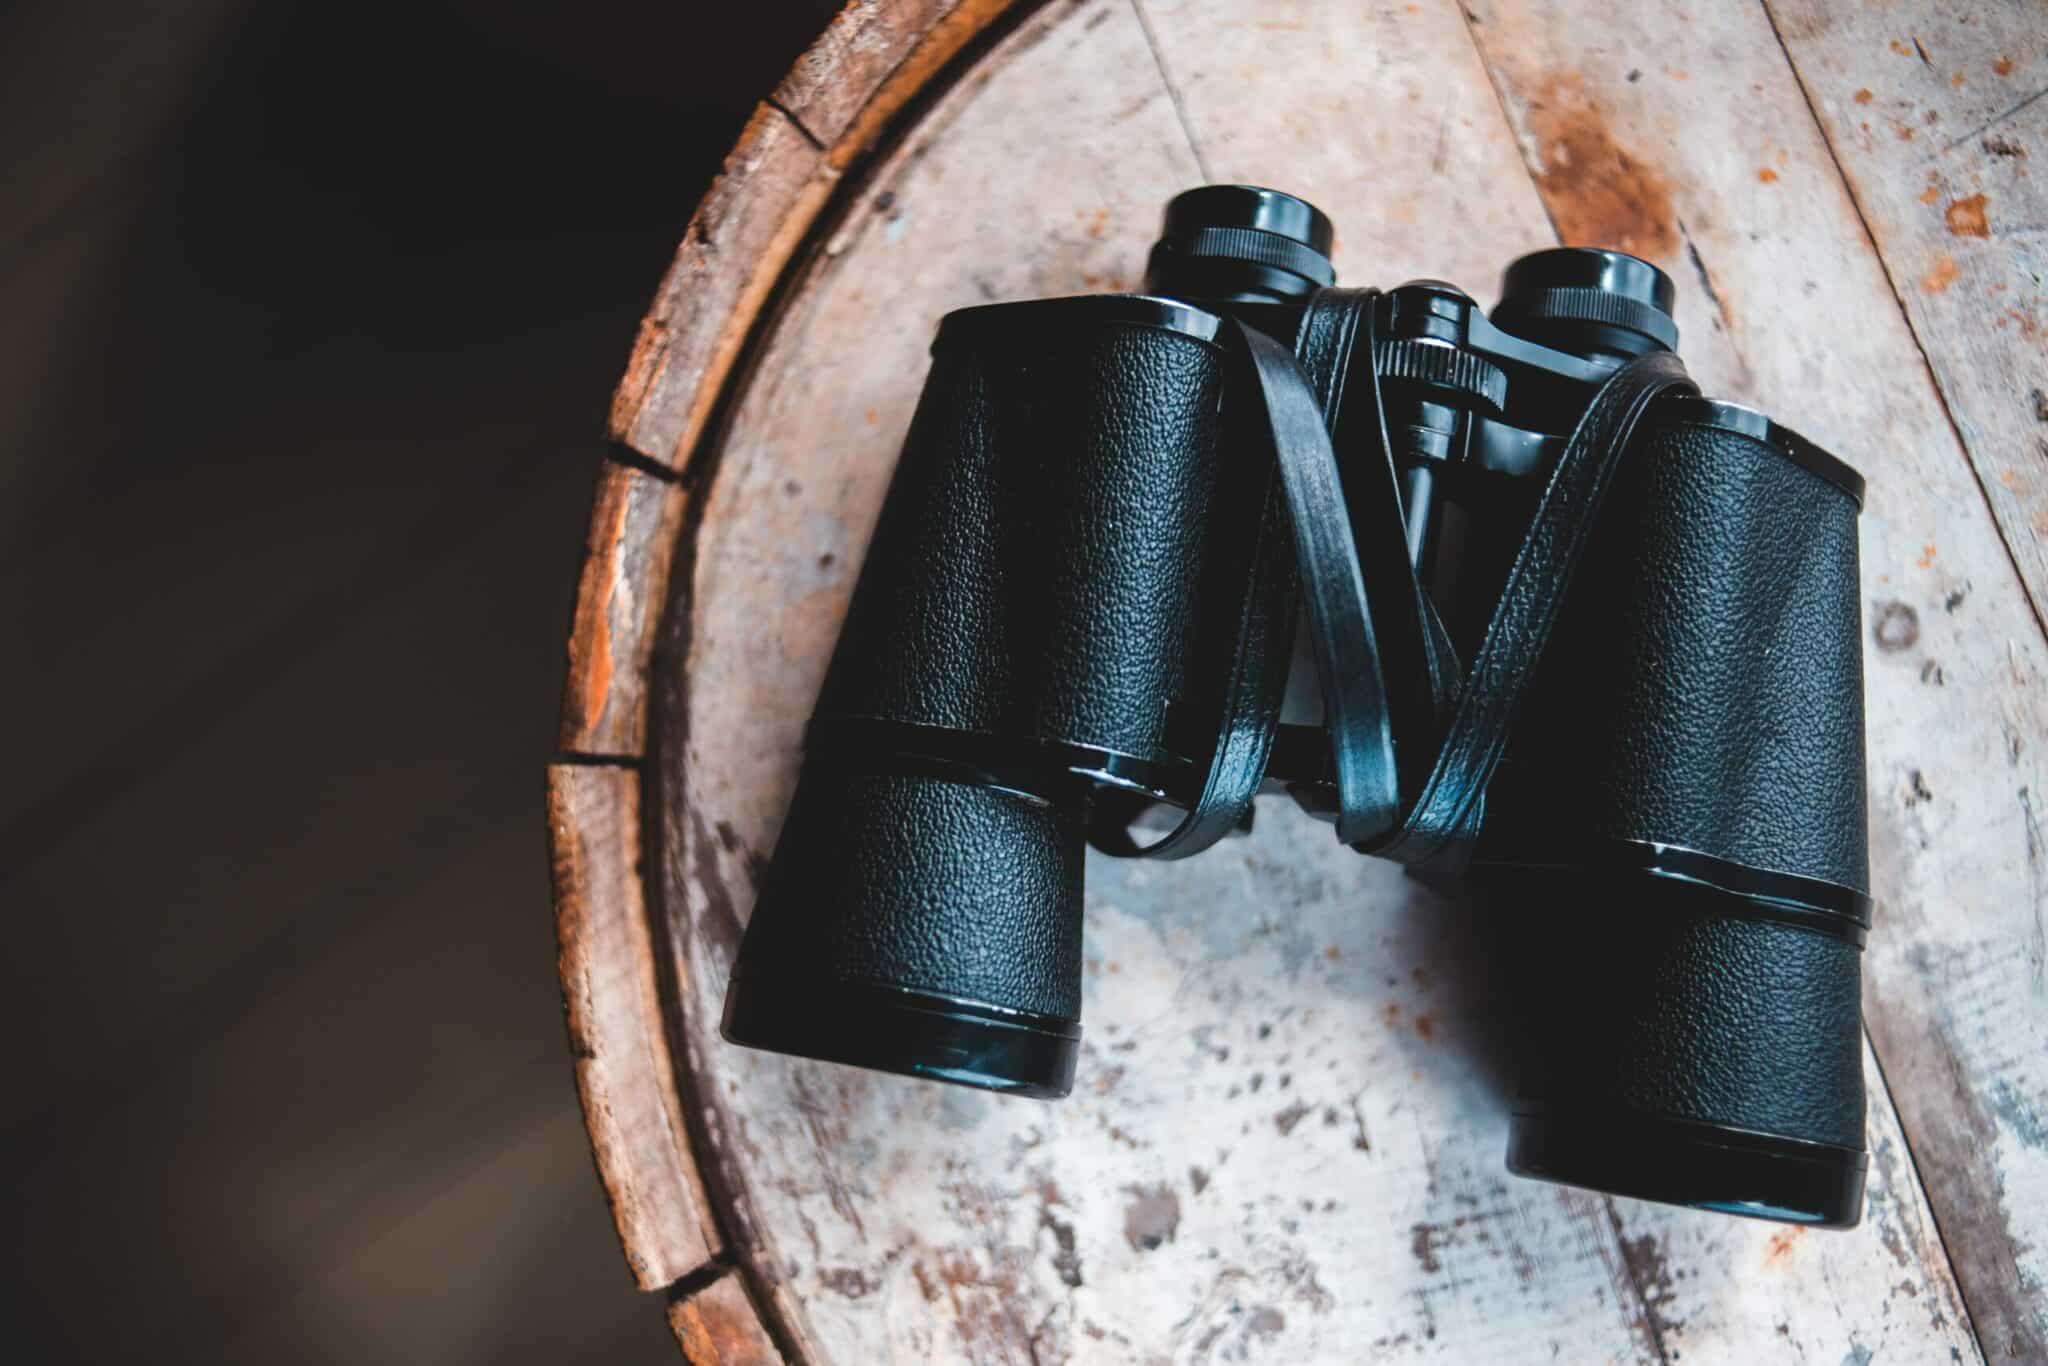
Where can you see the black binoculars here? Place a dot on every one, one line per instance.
(1577, 632)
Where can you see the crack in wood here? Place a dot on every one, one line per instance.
(1173, 91)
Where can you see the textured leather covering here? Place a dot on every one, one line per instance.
(1035, 566)
(1705, 683)
(1641, 1006)
(908, 881)
(1704, 688)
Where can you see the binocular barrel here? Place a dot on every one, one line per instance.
(1025, 626)
(1682, 811)
(1674, 835)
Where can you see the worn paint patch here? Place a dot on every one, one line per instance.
(1965, 217)
(1599, 193)
(1152, 1218)
(1422, 1242)
(1066, 1260)
(1940, 275)
(1896, 627)
(1650, 1270)
(719, 921)
(2023, 1119)
(1286, 1119)
(849, 1281)
(1781, 1244)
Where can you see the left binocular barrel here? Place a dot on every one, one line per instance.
(1023, 628)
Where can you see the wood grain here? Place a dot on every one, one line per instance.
(1937, 117)
(732, 253)
(718, 1326)
(1785, 304)
(624, 1073)
(875, 58)
(834, 105)
(619, 600)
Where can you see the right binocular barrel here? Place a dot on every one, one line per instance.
(1678, 835)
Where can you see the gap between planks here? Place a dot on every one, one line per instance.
(1891, 279)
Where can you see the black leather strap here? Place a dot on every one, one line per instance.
(1443, 822)
(1417, 664)
(1306, 496)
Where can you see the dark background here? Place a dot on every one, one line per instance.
(310, 313)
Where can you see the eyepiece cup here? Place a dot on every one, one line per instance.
(1585, 298)
(1250, 206)
(908, 1032)
(1241, 242)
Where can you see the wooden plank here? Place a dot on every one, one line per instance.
(833, 106)
(811, 441)
(734, 249)
(1784, 304)
(1400, 138)
(623, 1070)
(718, 1326)
(1934, 114)
(619, 602)
(873, 59)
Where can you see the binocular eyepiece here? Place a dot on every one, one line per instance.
(1585, 638)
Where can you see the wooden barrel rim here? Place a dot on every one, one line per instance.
(801, 164)
(786, 179)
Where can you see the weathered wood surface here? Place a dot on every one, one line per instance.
(875, 58)
(1784, 303)
(1286, 1139)
(633, 525)
(611, 994)
(718, 1326)
(1937, 114)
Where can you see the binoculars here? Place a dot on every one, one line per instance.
(1578, 635)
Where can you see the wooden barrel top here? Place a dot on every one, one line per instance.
(1286, 1139)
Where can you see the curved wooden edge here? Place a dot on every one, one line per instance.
(833, 107)
(719, 1326)
(633, 526)
(835, 104)
(778, 181)
(611, 997)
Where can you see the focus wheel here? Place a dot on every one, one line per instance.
(1440, 366)
(1602, 306)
